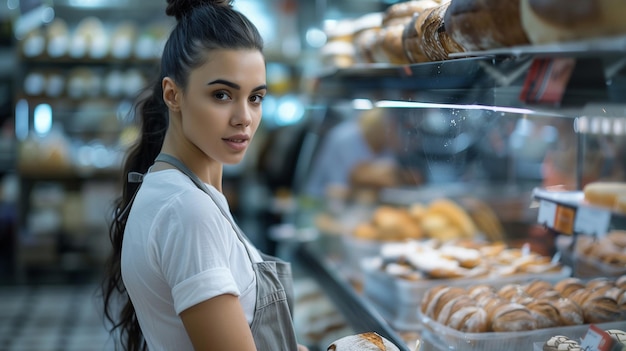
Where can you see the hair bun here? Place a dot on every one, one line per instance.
(179, 8)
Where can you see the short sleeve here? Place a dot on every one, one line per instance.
(193, 250)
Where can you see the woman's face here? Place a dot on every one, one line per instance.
(221, 108)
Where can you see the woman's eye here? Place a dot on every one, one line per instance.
(220, 95)
(257, 99)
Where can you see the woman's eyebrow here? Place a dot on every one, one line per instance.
(225, 82)
(235, 85)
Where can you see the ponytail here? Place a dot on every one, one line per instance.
(153, 114)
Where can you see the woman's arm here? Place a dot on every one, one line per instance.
(218, 324)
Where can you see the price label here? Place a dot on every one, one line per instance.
(564, 220)
(547, 213)
(597, 339)
(592, 221)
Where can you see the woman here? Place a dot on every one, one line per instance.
(187, 278)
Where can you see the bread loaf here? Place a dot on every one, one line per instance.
(485, 24)
(604, 194)
(600, 309)
(469, 319)
(548, 21)
(402, 12)
(569, 311)
(436, 42)
(390, 41)
(546, 313)
(568, 285)
(512, 317)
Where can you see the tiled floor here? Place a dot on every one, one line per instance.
(51, 318)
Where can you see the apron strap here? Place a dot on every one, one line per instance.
(200, 184)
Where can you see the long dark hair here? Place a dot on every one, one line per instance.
(202, 26)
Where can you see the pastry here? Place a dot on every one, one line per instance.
(511, 291)
(621, 281)
(402, 12)
(485, 24)
(390, 39)
(436, 43)
(568, 285)
(369, 341)
(412, 40)
(569, 311)
(455, 215)
(601, 309)
(455, 304)
(469, 319)
(440, 299)
(477, 291)
(561, 343)
(604, 194)
(545, 312)
(618, 335)
(549, 21)
(536, 287)
(365, 231)
(512, 317)
(428, 297)
(366, 30)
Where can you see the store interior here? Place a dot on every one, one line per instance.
(399, 140)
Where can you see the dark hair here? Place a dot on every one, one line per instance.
(202, 26)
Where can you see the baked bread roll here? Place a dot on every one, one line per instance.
(600, 309)
(436, 42)
(536, 287)
(390, 42)
(485, 24)
(561, 342)
(512, 317)
(412, 40)
(548, 21)
(428, 297)
(546, 313)
(469, 319)
(604, 194)
(568, 285)
(569, 311)
(402, 12)
(369, 341)
(365, 35)
(457, 303)
(455, 215)
(440, 299)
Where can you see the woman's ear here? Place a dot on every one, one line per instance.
(171, 94)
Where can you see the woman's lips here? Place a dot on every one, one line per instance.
(237, 144)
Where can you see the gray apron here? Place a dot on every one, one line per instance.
(272, 324)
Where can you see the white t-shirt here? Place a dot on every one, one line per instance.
(179, 250)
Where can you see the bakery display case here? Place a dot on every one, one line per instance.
(508, 128)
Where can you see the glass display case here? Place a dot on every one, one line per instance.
(508, 138)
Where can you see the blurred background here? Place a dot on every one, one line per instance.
(344, 130)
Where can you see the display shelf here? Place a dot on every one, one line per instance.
(566, 212)
(490, 79)
(361, 316)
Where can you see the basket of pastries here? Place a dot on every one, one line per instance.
(442, 219)
(398, 278)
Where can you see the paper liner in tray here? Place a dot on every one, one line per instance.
(398, 300)
(446, 338)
